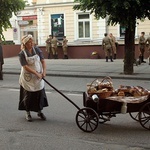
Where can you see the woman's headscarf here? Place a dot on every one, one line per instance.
(24, 40)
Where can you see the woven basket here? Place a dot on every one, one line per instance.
(105, 83)
(104, 95)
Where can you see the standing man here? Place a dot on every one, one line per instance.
(1, 61)
(54, 43)
(65, 47)
(142, 47)
(113, 41)
(148, 47)
(107, 47)
(48, 45)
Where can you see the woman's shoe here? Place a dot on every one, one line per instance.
(42, 116)
(28, 117)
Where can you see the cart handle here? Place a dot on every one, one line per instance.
(61, 93)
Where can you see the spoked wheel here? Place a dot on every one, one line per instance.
(144, 116)
(134, 115)
(87, 119)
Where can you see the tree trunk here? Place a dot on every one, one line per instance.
(129, 49)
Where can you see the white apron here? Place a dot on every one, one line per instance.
(29, 81)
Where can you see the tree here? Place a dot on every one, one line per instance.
(124, 12)
(7, 7)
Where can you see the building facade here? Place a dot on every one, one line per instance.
(57, 17)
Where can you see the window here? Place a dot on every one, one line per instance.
(83, 26)
(122, 31)
(57, 23)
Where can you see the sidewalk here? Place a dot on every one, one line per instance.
(89, 68)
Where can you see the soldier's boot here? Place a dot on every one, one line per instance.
(106, 59)
(56, 56)
(1, 75)
(48, 55)
(143, 59)
(115, 56)
(53, 56)
(140, 60)
(65, 57)
(111, 59)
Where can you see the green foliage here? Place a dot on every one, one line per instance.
(7, 7)
(124, 12)
(118, 11)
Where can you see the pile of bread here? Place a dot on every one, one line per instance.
(135, 91)
(99, 88)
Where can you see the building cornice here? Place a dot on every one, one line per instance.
(50, 5)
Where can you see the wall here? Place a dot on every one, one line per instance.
(74, 52)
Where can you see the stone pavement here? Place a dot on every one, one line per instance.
(88, 68)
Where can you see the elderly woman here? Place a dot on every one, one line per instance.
(32, 92)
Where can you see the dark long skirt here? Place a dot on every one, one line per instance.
(32, 101)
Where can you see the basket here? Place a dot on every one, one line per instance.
(104, 95)
(106, 83)
(97, 87)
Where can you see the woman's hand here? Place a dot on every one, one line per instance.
(39, 75)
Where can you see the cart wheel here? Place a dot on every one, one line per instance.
(134, 115)
(87, 119)
(144, 116)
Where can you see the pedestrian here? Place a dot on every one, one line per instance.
(113, 41)
(1, 61)
(65, 47)
(54, 43)
(48, 45)
(142, 47)
(32, 92)
(148, 47)
(107, 47)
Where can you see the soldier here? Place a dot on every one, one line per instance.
(54, 43)
(65, 46)
(48, 45)
(1, 61)
(148, 46)
(113, 41)
(142, 47)
(107, 47)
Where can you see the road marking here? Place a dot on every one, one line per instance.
(75, 94)
(14, 90)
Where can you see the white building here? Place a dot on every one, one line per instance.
(57, 17)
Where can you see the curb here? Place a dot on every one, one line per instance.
(127, 77)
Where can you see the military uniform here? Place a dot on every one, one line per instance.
(65, 48)
(54, 42)
(107, 47)
(142, 47)
(48, 46)
(148, 41)
(113, 41)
